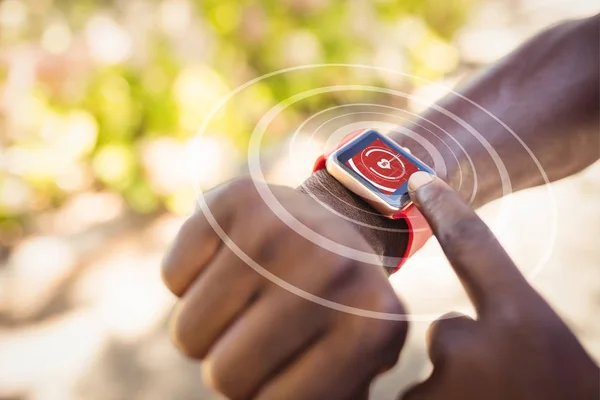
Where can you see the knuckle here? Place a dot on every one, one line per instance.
(440, 331)
(243, 189)
(510, 318)
(462, 236)
(273, 227)
(452, 342)
(184, 335)
(466, 226)
(168, 278)
(169, 266)
(379, 336)
(385, 341)
(272, 238)
(216, 375)
(529, 314)
(168, 275)
(386, 335)
(336, 271)
(434, 337)
(336, 264)
(387, 302)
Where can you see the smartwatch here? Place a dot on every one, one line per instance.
(377, 169)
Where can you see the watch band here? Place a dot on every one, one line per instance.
(418, 228)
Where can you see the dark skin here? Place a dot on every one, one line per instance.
(546, 91)
(261, 341)
(517, 348)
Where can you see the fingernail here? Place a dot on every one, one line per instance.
(419, 179)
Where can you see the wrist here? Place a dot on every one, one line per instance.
(431, 138)
(455, 138)
(511, 125)
(387, 237)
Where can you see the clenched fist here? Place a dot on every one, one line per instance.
(260, 340)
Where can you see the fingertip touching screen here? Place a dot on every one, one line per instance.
(382, 165)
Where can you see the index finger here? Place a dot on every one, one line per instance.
(489, 276)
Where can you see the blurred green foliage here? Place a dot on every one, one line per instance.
(165, 87)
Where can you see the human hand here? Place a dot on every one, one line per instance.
(517, 348)
(259, 340)
(388, 238)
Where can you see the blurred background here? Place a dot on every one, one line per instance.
(100, 102)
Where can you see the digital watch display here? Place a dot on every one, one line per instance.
(377, 169)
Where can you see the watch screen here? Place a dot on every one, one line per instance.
(382, 166)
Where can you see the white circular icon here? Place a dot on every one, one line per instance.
(387, 161)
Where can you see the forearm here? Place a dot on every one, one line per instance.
(535, 110)
(546, 93)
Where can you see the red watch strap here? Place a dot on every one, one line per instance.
(418, 229)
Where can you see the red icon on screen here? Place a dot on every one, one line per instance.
(382, 166)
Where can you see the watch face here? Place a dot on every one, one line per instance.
(381, 165)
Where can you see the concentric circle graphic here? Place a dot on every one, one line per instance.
(387, 126)
(438, 165)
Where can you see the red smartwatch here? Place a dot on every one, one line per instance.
(377, 169)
